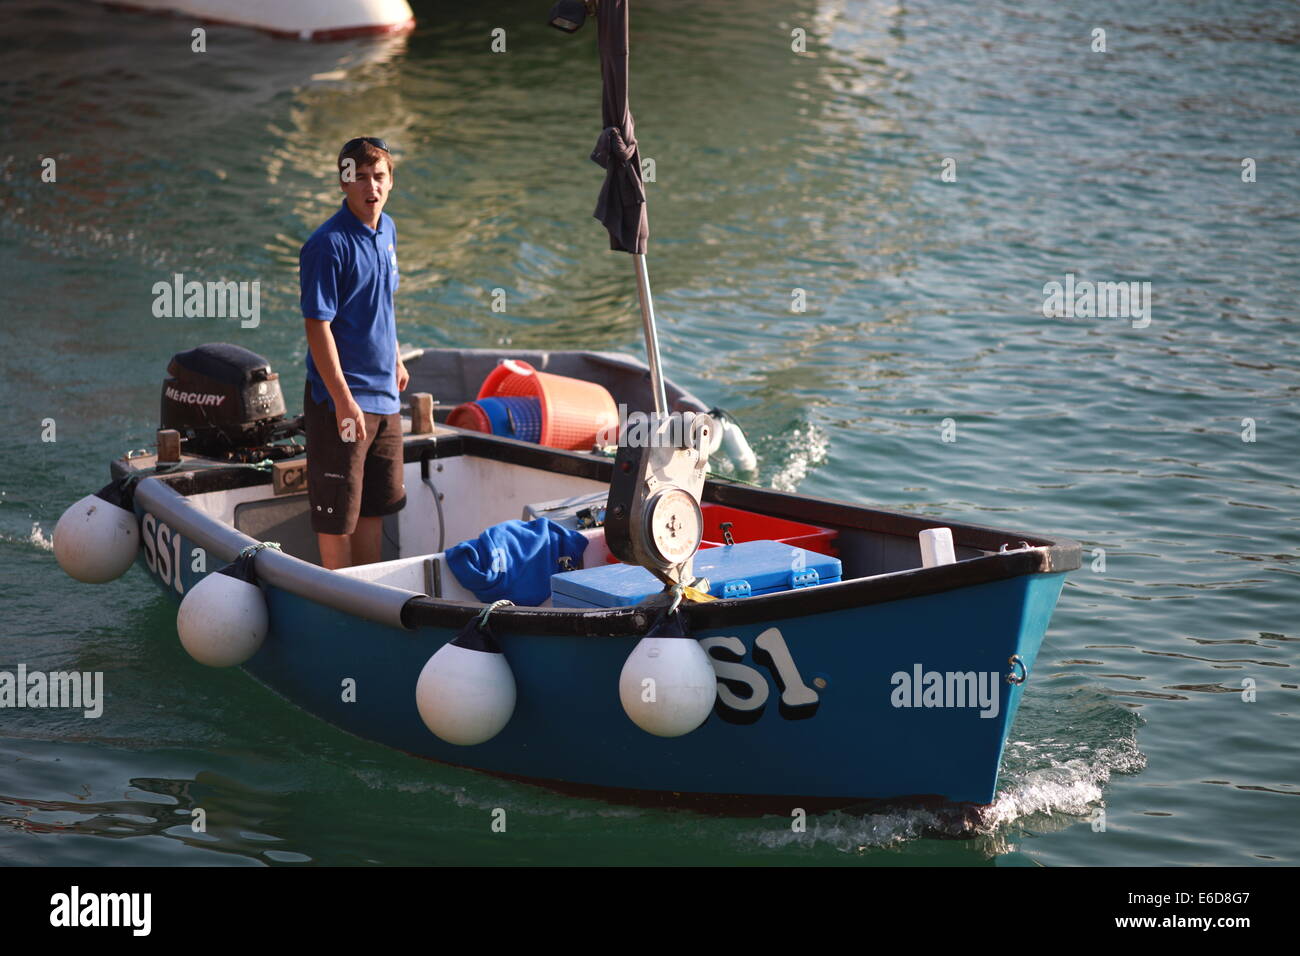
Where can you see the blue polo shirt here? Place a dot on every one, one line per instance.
(348, 274)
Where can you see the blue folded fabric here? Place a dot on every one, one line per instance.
(514, 560)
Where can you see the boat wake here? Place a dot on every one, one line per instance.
(1073, 786)
(805, 447)
(40, 539)
(1069, 746)
(37, 537)
(1056, 781)
(1053, 779)
(850, 832)
(488, 794)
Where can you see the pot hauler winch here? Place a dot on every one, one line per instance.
(653, 516)
(226, 403)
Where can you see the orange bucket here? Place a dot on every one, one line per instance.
(574, 412)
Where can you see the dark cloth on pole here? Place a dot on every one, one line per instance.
(621, 205)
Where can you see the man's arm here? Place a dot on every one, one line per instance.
(403, 376)
(325, 354)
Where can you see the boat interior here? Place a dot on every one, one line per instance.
(458, 483)
(463, 481)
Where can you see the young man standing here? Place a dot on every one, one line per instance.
(348, 272)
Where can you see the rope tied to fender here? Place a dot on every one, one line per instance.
(483, 618)
(676, 591)
(261, 545)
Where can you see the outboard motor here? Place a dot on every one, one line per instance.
(226, 403)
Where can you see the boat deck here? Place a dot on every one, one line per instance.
(482, 480)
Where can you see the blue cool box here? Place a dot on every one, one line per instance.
(741, 570)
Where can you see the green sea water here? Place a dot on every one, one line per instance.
(1160, 725)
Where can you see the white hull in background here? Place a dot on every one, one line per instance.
(303, 19)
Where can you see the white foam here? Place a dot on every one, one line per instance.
(808, 446)
(39, 538)
(1055, 796)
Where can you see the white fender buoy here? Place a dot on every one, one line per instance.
(729, 436)
(466, 691)
(96, 540)
(736, 447)
(668, 684)
(223, 619)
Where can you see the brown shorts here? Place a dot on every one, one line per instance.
(347, 480)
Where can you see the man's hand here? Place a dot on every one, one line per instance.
(347, 413)
(351, 420)
(403, 376)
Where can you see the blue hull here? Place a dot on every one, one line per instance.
(867, 736)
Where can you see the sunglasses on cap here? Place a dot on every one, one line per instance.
(374, 141)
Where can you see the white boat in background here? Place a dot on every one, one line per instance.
(301, 19)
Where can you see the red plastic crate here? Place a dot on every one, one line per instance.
(750, 526)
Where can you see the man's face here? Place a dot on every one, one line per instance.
(368, 192)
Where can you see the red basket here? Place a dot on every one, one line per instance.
(574, 412)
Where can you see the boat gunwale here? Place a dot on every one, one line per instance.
(1042, 556)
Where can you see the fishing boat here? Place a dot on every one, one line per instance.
(708, 642)
(828, 695)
